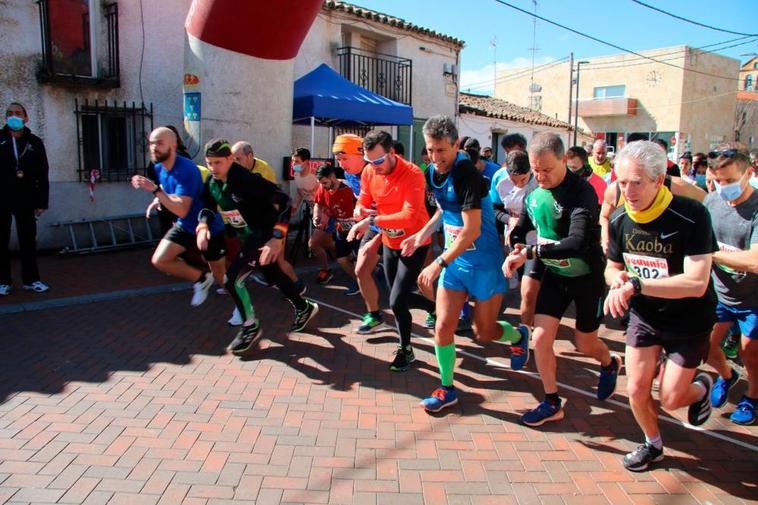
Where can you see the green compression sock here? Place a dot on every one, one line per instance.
(446, 362)
(244, 295)
(510, 334)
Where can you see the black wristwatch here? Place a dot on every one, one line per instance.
(441, 261)
(372, 220)
(636, 284)
(157, 189)
(277, 234)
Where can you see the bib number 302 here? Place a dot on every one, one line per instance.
(646, 267)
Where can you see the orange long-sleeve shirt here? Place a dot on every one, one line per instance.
(400, 201)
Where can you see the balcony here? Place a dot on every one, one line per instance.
(598, 107)
(386, 75)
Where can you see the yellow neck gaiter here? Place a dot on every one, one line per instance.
(660, 203)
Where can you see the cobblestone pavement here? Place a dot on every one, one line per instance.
(135, 400)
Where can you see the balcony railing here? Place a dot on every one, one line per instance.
(386, 75)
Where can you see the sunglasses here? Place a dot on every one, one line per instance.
(726, 153)
(375, 162)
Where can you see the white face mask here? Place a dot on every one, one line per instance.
(730, 192)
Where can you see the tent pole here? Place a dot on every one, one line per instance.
(313, 135)
(410, 146)
(331, 140)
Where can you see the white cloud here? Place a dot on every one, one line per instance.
(480, 80)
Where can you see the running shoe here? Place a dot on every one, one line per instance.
(5, 289)
(606, 384)
(730, 345)
(441, 397)
(543, 413)
(258, 277)
(40, 287)
(353, 289)
(520, 350)
(700, 411)
(200, 290)
(639, 459)
(236, 319)
(464, 324)
(369, 324)
(246, 338)
(301, 287)
(721, 387)
(745, 413)
(324, 276)
(303, 316)
(430, 321)
(403, 359)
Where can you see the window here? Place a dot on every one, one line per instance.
(749, 82)
(79, 42)
(610, 91)
(113, 139)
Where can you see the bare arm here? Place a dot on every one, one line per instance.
(681, 187)
(472, 228)
(744, 261)
(693, 282)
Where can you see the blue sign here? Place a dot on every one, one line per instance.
(192, 104)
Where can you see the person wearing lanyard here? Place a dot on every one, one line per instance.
(24, 196)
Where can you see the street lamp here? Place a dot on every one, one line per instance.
(576, 102)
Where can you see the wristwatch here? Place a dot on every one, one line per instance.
(636, 284)
(277, 234)
(440, 261)
(372, 220)
(157, 189)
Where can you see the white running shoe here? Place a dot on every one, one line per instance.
(5, 289)
(236, 319)
(37, 287)
(201, 289)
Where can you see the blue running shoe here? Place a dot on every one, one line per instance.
(721, 388)
(441, 397)
(353, 289)
(430, 321)
(543, 413)
(520, 350)
(606, 384)
(745, 413)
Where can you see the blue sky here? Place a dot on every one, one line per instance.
(621, 22)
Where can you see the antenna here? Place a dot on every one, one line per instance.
(532, 86)
(493, 43)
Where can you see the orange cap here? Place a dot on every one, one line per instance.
(348, 144)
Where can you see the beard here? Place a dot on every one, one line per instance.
(159, 157)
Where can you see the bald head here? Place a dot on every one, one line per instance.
(163, 146)
(243, 154)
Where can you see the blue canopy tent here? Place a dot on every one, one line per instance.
(325, 98)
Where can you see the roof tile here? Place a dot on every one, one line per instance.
(488, 106)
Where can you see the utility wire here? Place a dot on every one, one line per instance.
(517, 74)
(577, 32)
(689, 20)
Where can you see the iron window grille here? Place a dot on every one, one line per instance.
(77, 48)
(112, 139)
(384, 74)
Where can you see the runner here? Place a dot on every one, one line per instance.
(599, 161)
(659, 263)
(576, 161)
(260, 212)
(468, 267)
(348, 151)
(563, 211)
(180, 192)
(734, 212)
(397, 188)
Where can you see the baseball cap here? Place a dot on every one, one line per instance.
(348, 143)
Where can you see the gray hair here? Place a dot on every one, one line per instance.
(599, 143)
(439, 127)
(245, 147)
(648, 155)
(544, 142)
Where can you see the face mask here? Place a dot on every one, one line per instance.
(15, 123)
(700, 179)
(297, 168)
(729, 192)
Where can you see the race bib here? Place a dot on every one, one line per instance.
(394, 232)
(344, 225)
(646, 267)
(557, 263)
(729, 248)
(234, 218)
(451, 233)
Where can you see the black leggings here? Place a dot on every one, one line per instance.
(402, 274)
(247, 261)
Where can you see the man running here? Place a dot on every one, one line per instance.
(260, 212)
(181, 192)
(469, 265)
(576, 161)
(348, 151)
(599, 161)
(563, 211)
(734, 212)
(659, 263)
(397, 188)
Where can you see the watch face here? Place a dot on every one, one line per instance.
(278, 234)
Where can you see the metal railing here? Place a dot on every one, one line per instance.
(384, 74)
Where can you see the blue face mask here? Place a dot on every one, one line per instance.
(700, 179)
(729, 192)
(297, 168)
(15, 123)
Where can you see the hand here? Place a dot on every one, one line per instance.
(141, 182)
(617, 301)
(270, 252)
(621, 278)
(409, 245)
(515, 259)
(357, 231)
(202, 236)
(428, 275)
(155, 204)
